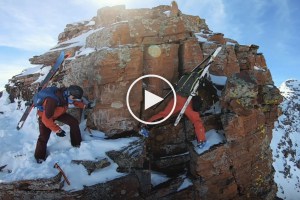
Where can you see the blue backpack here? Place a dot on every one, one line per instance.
(39, 98)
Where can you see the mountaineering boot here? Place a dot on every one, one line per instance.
(144, 132)
(39, 161)
(201, 144)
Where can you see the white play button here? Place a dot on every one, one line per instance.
(151, 99)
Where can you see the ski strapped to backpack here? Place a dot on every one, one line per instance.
(49, 76)
(186, 83)
(189, 78)
(195, 86)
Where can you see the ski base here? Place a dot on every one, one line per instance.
(43, 84)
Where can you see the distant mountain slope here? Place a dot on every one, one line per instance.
(286, 143)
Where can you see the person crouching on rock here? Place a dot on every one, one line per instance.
(192, 115)
(184, 89)
(54, 104)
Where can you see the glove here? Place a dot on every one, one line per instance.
(28, 103)
(61, 133)
(89, 105)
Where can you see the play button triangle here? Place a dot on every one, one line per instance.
(151, 99)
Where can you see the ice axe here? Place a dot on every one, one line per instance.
(62, 173)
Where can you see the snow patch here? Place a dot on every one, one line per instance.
(91, 23)
(43, 73)
(186, 183)
(230, 43)
(168, 13)
(200, 37)
(158, 178)
(120, 22)
(85, 51)
(218, 80)
(76, 41)
(213, 137)
(258, 68)
(30, 70)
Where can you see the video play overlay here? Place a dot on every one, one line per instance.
(146, 97)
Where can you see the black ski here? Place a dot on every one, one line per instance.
(195, 88)
(195, 69)
(43, 84)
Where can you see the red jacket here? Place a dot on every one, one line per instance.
(52, 110)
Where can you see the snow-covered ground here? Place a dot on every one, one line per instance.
(17, 152)
(286, 143)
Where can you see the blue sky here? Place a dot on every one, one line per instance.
(31, 27)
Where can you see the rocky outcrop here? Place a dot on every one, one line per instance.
(22, 87)
(91, 166)
(123, 44)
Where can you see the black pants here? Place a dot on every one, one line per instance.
(41, 145)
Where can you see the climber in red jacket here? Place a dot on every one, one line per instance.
(184, 88)
(192, 115)
(55, 109)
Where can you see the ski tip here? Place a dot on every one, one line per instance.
(20, 125)
(217, 51)
(62, 54)
(68, 55)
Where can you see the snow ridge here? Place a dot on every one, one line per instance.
(286, 142)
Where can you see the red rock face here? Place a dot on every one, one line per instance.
(191, 54)
(135, 42)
